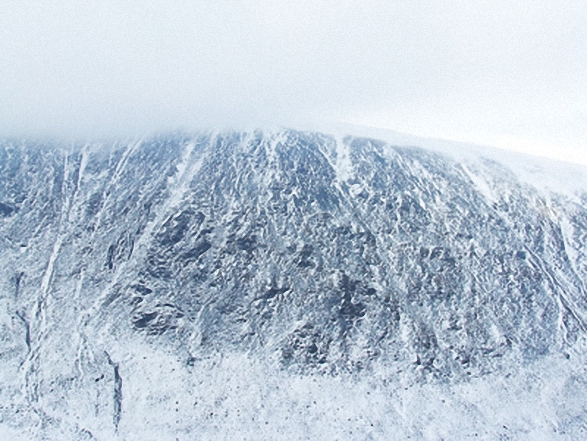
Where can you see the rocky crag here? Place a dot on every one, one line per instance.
(307, 256)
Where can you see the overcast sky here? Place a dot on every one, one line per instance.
(507, 73)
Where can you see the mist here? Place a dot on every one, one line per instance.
(491, 72)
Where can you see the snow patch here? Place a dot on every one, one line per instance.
(481, 184)
(344, 165)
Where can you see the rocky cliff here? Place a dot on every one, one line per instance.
(197, 286)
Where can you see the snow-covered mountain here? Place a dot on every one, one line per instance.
(288, 285)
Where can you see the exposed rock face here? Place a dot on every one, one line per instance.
(318, 256)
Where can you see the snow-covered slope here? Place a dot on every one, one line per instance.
(289, 285)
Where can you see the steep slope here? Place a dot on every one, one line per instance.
(296, 256)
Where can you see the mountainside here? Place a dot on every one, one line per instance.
(288, 285)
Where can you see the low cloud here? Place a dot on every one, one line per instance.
(432, 68)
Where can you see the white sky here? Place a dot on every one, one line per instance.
(507, 73)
